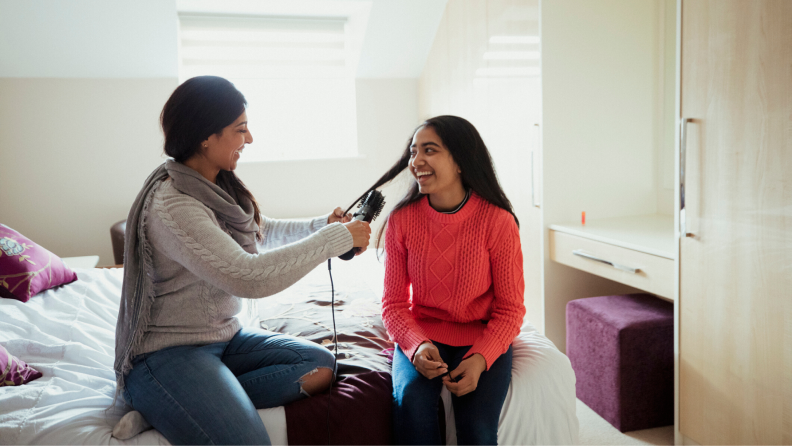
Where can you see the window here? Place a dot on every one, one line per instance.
(295, 72)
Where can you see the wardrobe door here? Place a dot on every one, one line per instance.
(736, 244)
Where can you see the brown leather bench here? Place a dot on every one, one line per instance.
(117, 238)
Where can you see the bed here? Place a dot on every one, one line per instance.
(67, 333)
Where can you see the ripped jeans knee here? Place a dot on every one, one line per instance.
(314, 382)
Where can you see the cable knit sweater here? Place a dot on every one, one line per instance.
(466, 274)
(198, 270)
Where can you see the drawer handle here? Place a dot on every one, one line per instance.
(581, 253)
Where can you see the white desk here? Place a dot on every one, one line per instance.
(638, 251)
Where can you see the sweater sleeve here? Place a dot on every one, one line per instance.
(279, 232)
(185, 230)
(396, 315)
(508, 307)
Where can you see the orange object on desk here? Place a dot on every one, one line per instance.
(583, 218)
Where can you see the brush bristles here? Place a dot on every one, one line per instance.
(375, 201)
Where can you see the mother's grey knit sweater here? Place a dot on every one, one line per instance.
(198, 270)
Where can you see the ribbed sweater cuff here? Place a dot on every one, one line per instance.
(489, 350)
(339, 237)
(410, 343)
(319, 223)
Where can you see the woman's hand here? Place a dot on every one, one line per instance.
(428, 362)
(361, 231)
(337, 216)
(467, 375)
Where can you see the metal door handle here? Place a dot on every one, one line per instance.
(628, 269)
(682, 169)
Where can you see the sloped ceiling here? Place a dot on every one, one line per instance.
(138, 38)
(394, 36)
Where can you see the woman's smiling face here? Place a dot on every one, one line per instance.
(431, 163)
(223, 150)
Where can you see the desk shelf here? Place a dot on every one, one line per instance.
(650, 234)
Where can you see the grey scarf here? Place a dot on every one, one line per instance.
(137, 291)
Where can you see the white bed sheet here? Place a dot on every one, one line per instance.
(68, 335)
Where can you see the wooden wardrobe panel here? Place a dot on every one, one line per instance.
(736, 270)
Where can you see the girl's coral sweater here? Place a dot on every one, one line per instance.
(466, 273)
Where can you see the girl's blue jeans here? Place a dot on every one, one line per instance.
(209, 394)
(416, 400)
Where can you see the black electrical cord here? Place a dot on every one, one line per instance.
(335, 342)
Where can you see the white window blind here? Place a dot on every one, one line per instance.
(295, 73)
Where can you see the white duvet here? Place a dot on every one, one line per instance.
(68, 334)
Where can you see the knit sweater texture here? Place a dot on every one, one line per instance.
(454, 278)
(199, 272)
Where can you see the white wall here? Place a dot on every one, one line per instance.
(88, 38)
(82, 84)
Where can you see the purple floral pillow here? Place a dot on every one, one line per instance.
(26, 268)
(14, 371)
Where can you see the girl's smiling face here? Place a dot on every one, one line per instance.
(222, 151)
(432, 165)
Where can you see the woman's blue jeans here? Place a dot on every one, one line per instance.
(416, 400)
(209, 394)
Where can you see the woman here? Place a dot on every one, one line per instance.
(195, 241)
(453, 238)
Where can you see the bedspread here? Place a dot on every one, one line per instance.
(67, 333)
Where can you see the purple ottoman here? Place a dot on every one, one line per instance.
(622, 351)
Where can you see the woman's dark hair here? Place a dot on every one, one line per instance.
(200, 107)
(470, 154)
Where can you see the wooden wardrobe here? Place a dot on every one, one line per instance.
(735, 260)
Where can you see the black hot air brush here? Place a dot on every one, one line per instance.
(368, 210)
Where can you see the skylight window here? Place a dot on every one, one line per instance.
(296, 73)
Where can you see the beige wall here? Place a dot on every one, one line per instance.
(76, 151)
(606, 150)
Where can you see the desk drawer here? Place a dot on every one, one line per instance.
(653, 274)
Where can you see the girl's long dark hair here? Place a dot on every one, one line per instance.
(200, 107)
(468, 151)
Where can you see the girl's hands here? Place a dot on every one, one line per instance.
(467, 375)
(337, 216)
(428, 362)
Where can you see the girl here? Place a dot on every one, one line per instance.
(454, 239)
